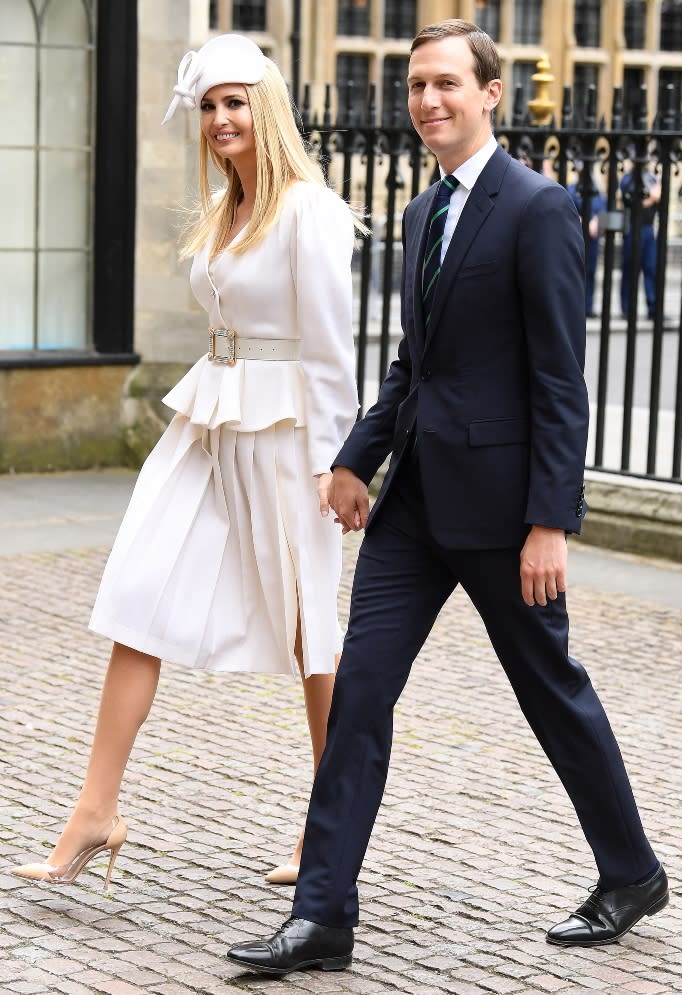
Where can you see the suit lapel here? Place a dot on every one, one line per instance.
(480, 203)
(422, 229)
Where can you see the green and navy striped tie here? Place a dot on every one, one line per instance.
(434, 242)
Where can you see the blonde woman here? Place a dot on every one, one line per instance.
(227, 558)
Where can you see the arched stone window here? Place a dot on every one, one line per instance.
(487, 16)
(528, 22)
(587, 23)
(634, 23)
(671, 25)
(46, 160)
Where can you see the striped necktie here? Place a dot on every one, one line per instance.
(434, 241)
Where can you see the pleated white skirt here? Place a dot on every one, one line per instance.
(221, 546)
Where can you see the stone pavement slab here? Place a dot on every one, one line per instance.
(54, 511)
(63, 511)
(475, 850)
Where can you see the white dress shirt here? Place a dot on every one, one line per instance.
(467, 174)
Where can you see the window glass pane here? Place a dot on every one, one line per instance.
(17, 95)
(16, 21)
(671, 25)
(635, 23)
(672, 77)
(521, 76)
(587, 23)
(400, 18)
(355, 68)
(527, 22)
(353, 17)
(584, 76)
(394, 89)
(249, 16)
(61, 204)
(62, 300)
(17, 199)
(65, 22)
(487, 16)
(16, 308)
(632, 81)
(64, 186)
(65, 85)
(213, 14)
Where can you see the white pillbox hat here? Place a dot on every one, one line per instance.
(225, 59)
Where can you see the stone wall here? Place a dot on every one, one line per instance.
(634, 515)
(168, 322)
(59, 418)
(170, 326)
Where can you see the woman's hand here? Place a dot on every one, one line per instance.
(323, 482)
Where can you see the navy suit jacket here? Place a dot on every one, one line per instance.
(495, 389)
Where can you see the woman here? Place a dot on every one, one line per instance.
(227, 558)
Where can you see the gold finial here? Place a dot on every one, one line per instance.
(541, 106)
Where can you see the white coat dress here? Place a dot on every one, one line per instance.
(223, 541)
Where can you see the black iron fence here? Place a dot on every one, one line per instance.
(634, 354)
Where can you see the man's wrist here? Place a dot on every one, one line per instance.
(547, 528)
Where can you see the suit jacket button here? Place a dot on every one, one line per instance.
(426, 375)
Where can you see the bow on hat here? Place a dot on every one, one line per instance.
(188, 74)
(230, 58)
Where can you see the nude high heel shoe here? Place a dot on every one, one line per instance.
(67, 873)
(284, 874)
(287, 873)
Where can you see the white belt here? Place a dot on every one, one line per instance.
(235, 347)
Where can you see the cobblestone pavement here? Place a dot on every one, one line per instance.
(475, 851)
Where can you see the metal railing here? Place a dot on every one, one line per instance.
(634, 363)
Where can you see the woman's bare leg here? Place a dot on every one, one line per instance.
(127, 696)
(317, 691)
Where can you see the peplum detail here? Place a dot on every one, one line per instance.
(250, 396)
(223, 548)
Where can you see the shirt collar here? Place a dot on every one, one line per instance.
(469, 171)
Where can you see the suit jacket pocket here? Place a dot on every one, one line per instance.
(479, 269)
(498, 432)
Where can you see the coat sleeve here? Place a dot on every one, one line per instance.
(371, 439)
(321, 251)
(551, 276)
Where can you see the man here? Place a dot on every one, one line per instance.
(597, 204)
(650, 197)
(486, 413)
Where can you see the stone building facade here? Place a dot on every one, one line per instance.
(96, 315)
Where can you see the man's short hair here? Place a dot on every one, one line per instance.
(486, 59)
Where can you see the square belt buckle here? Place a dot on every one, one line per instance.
(229, 358)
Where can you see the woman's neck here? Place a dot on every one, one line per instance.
(247, 198)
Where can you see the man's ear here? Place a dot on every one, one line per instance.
(494, 88)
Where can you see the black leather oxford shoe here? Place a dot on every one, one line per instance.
(608, 915)
(296, 945)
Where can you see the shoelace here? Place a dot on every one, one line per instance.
(596, 891)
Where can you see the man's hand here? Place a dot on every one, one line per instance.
(349, 498)
(543, 565)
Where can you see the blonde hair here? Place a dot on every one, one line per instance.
(281, 159)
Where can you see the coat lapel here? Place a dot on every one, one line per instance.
(421, 229)
(480, 203)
